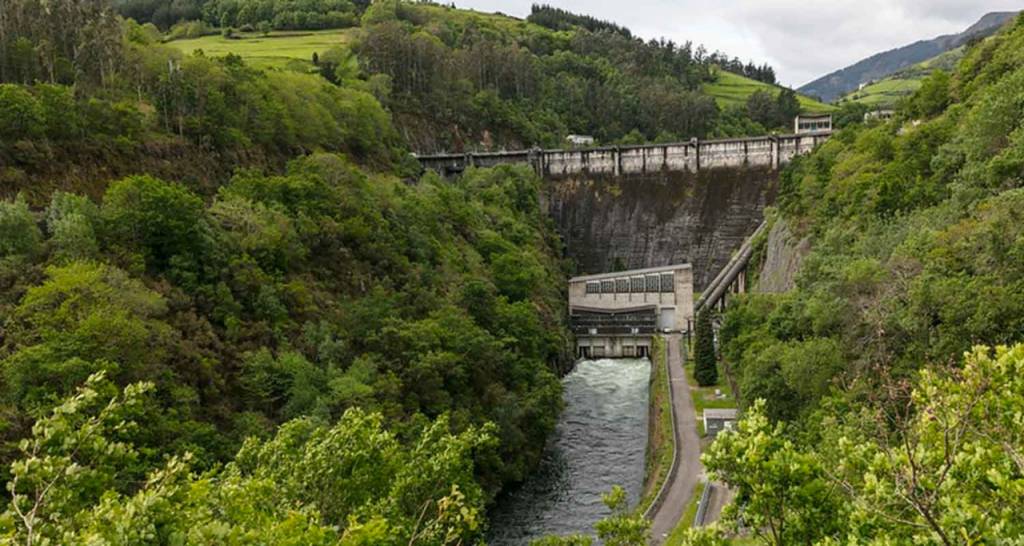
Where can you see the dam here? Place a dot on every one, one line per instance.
(634, 207)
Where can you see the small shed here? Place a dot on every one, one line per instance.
(580, 140)
(879, 115)
(717, 420)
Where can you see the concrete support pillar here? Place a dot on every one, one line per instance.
(617, 155)
(775, 152)
(696, 152)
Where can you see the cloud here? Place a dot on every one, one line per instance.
(802, 39)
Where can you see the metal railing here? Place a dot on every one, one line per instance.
(702, 505)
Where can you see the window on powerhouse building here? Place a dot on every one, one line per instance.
(638, 285)
(668, 282)
(593, 288)
(607, 287)
(652, 283)
(622, 286)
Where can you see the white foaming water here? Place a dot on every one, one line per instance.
(600, 442)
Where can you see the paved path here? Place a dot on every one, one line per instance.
(688, 449)
(720, 496)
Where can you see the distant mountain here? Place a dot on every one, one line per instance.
(841, 82)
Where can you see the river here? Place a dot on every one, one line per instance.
(599, 442)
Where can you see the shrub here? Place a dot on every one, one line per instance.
(705, 370)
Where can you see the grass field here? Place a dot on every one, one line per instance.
(885, 93)
(733, 90)
(704, 397)
(275, 50)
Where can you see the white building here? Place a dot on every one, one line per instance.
(804, 124)
(616, 314)
(580, 140)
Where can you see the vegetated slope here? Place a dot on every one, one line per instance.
(406, 337)
(917, 255)
(889, 91)
(295, 49)
(733, 90)
(136, 106)
(232, 253)
(835, 85)
(461, 80)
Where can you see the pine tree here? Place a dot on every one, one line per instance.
(705, 371)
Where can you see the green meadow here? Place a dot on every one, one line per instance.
(732, 90)
(275, 50)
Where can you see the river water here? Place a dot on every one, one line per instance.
(600, 442)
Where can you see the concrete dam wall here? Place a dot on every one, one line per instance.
(693, 156)
(634, 207)
(638, 220)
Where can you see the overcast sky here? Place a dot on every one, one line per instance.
(802, 39)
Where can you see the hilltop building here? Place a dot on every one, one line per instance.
(812, 124)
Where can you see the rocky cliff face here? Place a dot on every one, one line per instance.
(783, 255)
(647, 220)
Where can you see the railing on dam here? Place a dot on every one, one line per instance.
(695, 155)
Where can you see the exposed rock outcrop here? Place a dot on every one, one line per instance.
(783, 255)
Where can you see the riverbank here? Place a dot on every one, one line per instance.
(660, 433)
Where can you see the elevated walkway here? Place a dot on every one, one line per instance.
(770, 151)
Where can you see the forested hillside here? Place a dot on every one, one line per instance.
(401, 77)
(434, 309)
(231, 311)
(104, 99)
(874, 426)
(460, 80)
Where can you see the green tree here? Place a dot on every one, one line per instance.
(163, 221)
(762, 108)
(783, 494)
(19, 235)
(787, 107)
(21, 116)
(72, 220)
(933, 97)
(623, 527)
(73, 457)
(85, 318)
(705, 369)
(953, 474)
(349, 484)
